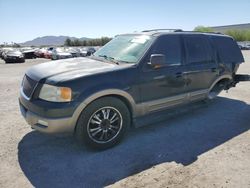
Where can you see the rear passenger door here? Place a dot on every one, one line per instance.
(201, 68)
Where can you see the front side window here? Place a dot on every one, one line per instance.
(168, 45)
(125, 48)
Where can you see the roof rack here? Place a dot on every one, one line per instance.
(168, 30)
(180, 30)
(212, 32)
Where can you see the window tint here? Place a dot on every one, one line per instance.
(169, 46)
(198, 49)
(227, 49)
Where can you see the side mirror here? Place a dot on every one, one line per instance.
(157, 60)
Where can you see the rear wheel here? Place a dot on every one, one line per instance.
(103, 123)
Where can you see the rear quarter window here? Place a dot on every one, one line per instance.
(228, 50)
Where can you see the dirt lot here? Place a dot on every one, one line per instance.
(205, 147)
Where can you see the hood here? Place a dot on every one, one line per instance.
(14, 53)
(68, 69)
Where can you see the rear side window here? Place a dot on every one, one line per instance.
(228, 49)
(170, 46)
(198, 49)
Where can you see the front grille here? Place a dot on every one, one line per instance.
(28, 86)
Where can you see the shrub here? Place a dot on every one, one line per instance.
(203, 29)
(239, 35)
(91, 42)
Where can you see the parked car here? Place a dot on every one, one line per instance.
(29, 53)
(90, 51)
(244, 46)
(4, 51)
(14, 56)
(83, 52)
(241, 46)
(75, 52)
(40, 52)
(127, 82)
(48, 52)
(87, 51)
(1, 52)
(60, 53)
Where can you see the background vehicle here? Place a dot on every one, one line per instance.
(14, 56)
(90, 51)
(75, 52)
(83, 52)
(29, 53)
(4, 51)
(87, 51)
(40, 52)
(129, 81)
(1, 52)
(48, 52)
(244, 46)
(60, 53)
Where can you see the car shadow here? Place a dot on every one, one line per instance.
(53, 161)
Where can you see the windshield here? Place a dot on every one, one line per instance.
(125, 48)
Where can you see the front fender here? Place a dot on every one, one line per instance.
(98, 94)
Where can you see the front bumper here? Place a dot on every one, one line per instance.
(14, 59)
(45, 116)
(47, 125)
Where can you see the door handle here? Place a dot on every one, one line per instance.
(159, 77)
(178, 74)
(214, 69)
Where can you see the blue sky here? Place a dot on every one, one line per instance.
(22, 20)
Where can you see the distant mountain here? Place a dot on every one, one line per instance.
(50, 41)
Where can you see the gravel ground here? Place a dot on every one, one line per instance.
(207, 146)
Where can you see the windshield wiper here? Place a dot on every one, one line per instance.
(113, 60)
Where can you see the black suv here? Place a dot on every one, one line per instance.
(132, 77)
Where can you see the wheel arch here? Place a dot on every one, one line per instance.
(125, 97)
(222, 78)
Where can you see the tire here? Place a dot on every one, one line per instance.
(103, 123)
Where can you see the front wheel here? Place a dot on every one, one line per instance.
(103, 123)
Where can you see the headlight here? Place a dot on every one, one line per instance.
(55, 94)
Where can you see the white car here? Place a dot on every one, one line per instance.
(60, 53)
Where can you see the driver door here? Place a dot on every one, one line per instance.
(166, 86)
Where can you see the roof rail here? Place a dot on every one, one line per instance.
(212, 32)
(169, 30)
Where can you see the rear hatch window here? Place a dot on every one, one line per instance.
(228, 50)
